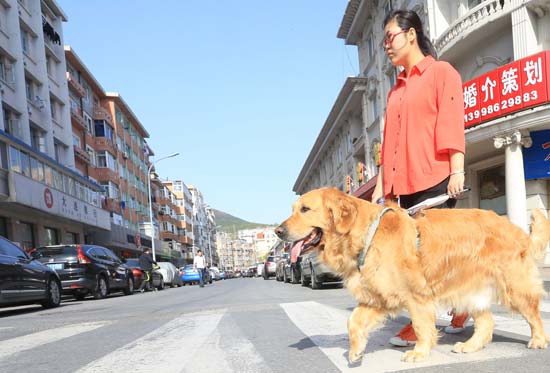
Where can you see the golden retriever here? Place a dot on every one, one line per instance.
(459, 258)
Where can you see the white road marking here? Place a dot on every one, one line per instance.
(15, 345)
(326, 327)
(167, 349)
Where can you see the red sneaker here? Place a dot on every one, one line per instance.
(406, 337)
(457, 323)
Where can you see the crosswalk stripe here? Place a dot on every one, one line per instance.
(27, 342)
(167, 349)
(326, 327)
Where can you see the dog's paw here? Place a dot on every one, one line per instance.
(465, 347)
(414, 356)
(537, 343)
(355, 357)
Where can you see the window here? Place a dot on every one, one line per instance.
(38, 141)
(15, 162)
(76, 140)
(68, 185)
(370, 48)
(48, 175)
(51, 236)
(492, 190)
(105, 160)
(9, 249)
(102, 129)
(53, 109)
(89, 124)
(91, 154)
(7, 70)
(70, 238)
(375, 113)
(37, 169)
(11, 123)
(349, 142)
(25, 164)
(25, 41)
(57, 179)
(111, 189)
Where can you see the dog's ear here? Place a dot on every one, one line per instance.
(344, 212)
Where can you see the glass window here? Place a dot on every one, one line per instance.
(70, 238)
(25, 164)
(9, 249)
(101, 159)
(51, 236)
(37, 169)
(57, 180)
(492, 190)
(48, 175)
(15, 162)
(76, 141)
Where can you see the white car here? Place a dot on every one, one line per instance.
(259, 269)
(216, 273)
(170, 273)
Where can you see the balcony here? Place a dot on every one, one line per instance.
(111, 204)
(75, 85)
(106, 174)
(103, 143)
(81, 154)
(101, 113)
(77, 118)
(476, 18)
(168, 236)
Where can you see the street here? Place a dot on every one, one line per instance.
(237, 325)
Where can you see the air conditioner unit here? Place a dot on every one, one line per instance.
(125, 155)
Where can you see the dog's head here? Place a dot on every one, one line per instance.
(317, 217)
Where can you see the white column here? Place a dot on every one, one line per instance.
(516, 196)
(524, 31)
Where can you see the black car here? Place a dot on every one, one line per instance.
(85, 269)
(24, 280)
(157, 281)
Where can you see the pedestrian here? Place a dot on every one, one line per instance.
(423, 146)
(199, 264)
(146, 264)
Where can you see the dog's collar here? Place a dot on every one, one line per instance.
(370, 236)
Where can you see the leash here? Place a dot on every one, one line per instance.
(370, 236)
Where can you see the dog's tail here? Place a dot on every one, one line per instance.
(540, 234)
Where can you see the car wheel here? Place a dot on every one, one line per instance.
(101, 291)
(315, 284)
(129, 289)
(161, 285)
(303, 279)
(53, 294)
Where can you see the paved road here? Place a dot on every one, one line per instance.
(239, 325)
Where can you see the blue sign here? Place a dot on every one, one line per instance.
(536, 159)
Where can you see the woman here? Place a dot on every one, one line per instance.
(423, 149)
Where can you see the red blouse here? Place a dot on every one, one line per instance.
(424, 119)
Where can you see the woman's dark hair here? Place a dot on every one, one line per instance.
(407, 19)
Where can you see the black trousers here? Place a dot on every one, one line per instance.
(410, 200)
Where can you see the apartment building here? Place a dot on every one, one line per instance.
(234, 254)
(203, 227)
(262, 240)
(43, 200)
(498, 47)
(183, 216)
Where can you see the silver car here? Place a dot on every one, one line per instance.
(170, 273)
(314, 273)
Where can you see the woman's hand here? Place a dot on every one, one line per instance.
(456, 185)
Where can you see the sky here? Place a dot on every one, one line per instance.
(240, 88)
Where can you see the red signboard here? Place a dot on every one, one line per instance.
(510, 88)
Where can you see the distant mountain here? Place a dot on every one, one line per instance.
(231, 224)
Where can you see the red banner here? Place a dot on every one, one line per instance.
(510, 88)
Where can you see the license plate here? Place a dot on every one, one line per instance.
(56, 266)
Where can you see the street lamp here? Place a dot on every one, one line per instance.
(150, 203)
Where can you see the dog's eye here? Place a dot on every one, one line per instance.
(304, 209)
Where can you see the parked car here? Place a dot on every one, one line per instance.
(314, 273)
(170, 273)
(292, 272)
(24, 280)
(215, 273)
(189, 275)
(85, 269)
(157, 280)
(259, 269)
(280, 266)
(222, 275)
(250, 272)
(270, 266)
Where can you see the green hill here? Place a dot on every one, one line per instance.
(231, 224)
